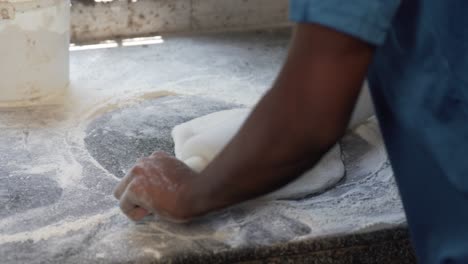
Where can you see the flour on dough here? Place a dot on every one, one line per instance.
(198, 141)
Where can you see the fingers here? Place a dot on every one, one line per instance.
(138, 213)
(137, 189)
(119, 190)
(131, 207)
(160, 155)
(126, 193)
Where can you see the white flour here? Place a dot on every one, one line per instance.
(61, 228)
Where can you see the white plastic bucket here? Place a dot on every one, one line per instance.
(34, 51)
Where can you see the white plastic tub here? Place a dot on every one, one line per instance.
(34, 56)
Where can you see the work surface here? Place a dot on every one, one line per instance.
(59, 165)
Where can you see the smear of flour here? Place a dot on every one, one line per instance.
(69, 172)
(55, 145)
(59, 229)
(60, 164)
(153, 252)
(381, 225)
(107, 105)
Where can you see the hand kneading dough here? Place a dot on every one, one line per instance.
(198, 141)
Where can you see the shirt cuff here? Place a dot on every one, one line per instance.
(368, 20)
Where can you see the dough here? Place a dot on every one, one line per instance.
(364, 108)
(198, 141)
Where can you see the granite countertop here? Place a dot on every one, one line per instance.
(59, 165)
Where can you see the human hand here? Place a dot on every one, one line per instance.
(158, 184)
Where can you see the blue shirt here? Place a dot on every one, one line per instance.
(419, 84)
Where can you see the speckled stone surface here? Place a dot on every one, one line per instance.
(59, 165)
(116, 140)
(383, 246)
(61, 221)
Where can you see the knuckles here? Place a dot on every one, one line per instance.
(145, 184)
(137, 170)
(159, 154)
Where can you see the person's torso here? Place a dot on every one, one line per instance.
(419, 83)
(420, 78)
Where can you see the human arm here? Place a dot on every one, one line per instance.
(295, 123)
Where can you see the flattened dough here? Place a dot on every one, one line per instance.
(198, 141)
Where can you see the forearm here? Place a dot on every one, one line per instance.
(294, 124)
(275, 145)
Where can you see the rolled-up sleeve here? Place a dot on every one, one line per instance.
(368, 20)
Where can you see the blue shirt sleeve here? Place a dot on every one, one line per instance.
(368, 20)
